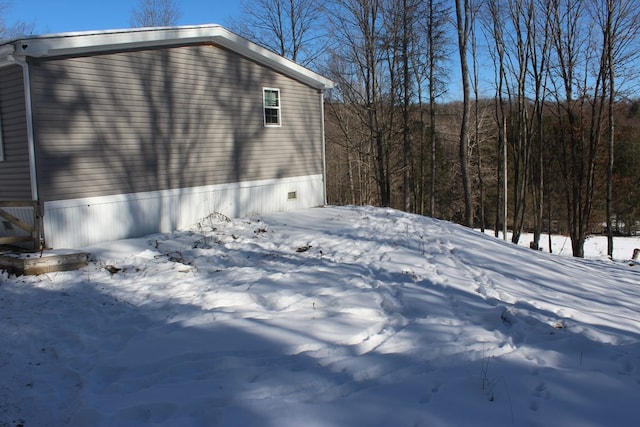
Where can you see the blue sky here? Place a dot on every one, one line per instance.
(50, 16)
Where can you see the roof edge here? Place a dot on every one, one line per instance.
(86, 42)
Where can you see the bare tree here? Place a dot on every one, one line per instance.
(520, 18)
(520, 31)
(579, 103)
(559, 66)
(567, 44)
(401, 37)
(436, 40)
(619, 23)
(495, 30)
(477, 143)
(17, 29)
(409, 9)
(539, 47)
(155, 13)
(364, 82)
(291, 28)
(463, 25)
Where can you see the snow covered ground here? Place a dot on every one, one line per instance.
(594, 247)
(337, 316)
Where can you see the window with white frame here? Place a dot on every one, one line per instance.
(271, 101)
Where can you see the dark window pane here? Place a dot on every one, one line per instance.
(271, 116)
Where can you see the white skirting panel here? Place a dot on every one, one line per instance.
(82, 222)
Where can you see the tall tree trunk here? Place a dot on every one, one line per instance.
(406, 105)
(431, 62)
(463, 20)
(497, 28)
(608, 37)
(540, 62)
(476, 127)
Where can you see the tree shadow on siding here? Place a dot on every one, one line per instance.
(169, 120)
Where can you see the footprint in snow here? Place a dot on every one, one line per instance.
(541, 391)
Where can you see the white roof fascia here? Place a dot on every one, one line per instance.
(111, 40)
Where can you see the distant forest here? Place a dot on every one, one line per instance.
(352, 175)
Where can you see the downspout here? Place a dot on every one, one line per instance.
(30, 134)
(39, 242)
(324, 155)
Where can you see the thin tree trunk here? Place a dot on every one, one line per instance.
(405, 107)
(611, 141)
(463, 21)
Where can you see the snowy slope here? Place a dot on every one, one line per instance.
(322, 317)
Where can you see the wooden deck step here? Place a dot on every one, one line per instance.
(34, 263)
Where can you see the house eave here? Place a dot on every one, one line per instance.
(82, 43)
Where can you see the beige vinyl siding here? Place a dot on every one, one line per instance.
(15, 177)
(166, 118)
